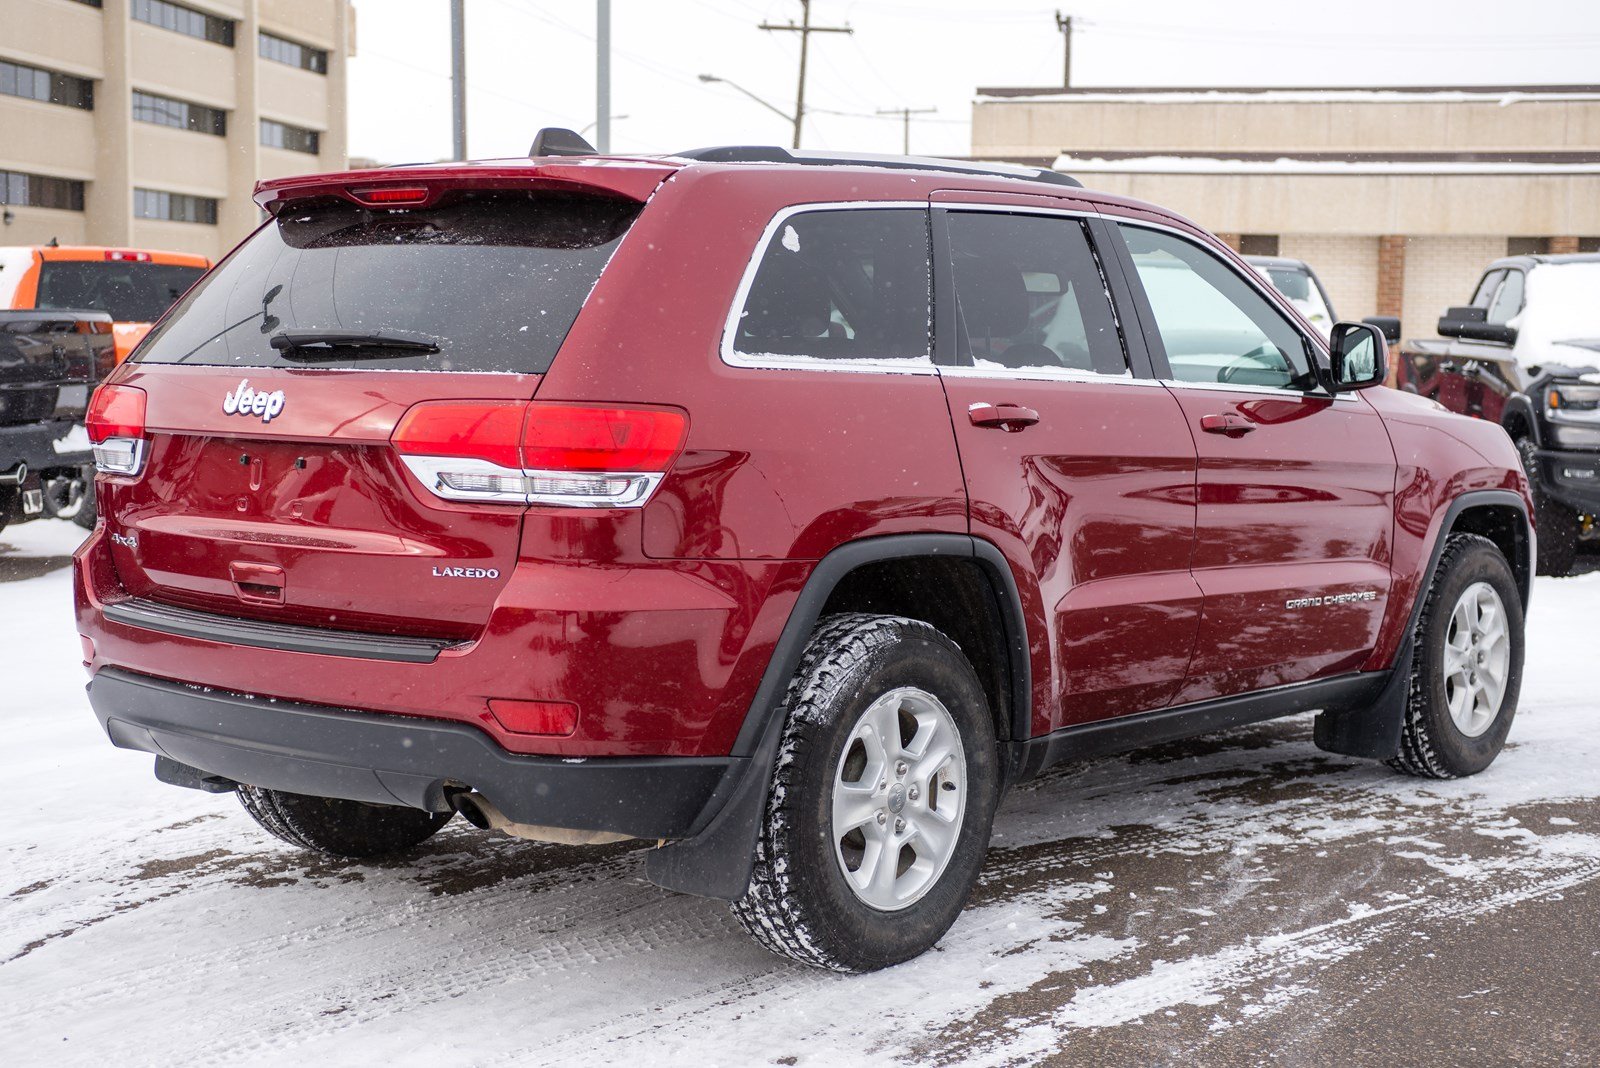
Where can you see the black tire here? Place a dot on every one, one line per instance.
(799, 904)
(1555, 524)
(1431, 745)
(88, 513)
(337, 827)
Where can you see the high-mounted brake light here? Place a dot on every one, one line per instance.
(115, 423)
(124, 255)
(535, 453)
(392, 195)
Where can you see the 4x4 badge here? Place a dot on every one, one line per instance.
(247, 401)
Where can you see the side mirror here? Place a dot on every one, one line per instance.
(1359, 357)
(1469, 323)
(1388, 325)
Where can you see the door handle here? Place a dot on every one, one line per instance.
(1008, 417)
(1227, 423)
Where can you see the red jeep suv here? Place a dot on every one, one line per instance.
(778, 509)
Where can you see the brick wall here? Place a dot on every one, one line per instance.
(1440, 272)
(1348, 267)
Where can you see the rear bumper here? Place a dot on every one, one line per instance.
(43, 446)
(1573, 478)
(402, 760)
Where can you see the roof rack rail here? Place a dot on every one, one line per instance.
(773, 154)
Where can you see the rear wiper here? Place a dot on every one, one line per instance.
(320, 344)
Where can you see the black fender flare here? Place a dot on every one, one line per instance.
(717, 861)
(1519, 404)
(1373, 730)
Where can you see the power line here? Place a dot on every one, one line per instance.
(805, 30)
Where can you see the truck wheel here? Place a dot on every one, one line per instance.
(881, 802)
(337, 827)
(88, 513)
(1556, 524)
(1466, 668)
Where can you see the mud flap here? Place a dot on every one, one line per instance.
(718, 861)
(1371, 730)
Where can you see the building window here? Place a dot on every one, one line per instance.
(293, 138)
(179, 114)
(184, 20)
(283, 50)
(31, 83)
(1527, 246)
(40, 191)
(173, 207)
(1258, 244)
(1589, 244)
(92, 3)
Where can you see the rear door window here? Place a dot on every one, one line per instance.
(1030, 295)
(127, 290)
(491, 282)
(840, 284)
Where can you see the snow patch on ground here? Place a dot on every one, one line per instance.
(143, 924)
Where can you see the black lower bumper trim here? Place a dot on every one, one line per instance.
(261, 634)
(1573, 478)
(402, 760)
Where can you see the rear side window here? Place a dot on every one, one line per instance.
(492, 282)
(128, 291)
(840, 285)
(1030, 295)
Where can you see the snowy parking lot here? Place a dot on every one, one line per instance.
(1231, 900)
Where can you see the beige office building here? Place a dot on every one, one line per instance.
(1397, 196)
(145, 123)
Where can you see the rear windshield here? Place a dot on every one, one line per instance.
(493, 282)
(129, 292)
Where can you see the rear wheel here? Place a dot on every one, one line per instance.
(1466, 665)
(337, 827)
(882, 799)
(1555, 524)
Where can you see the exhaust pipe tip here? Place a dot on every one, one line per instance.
(466, 804)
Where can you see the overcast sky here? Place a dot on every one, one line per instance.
(531, 63)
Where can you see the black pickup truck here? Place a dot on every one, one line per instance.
(1525, 353)
(50, 361)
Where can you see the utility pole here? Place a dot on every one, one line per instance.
(905, 123)
(602, 68)
(1064, 24)
(805, 30)
(458, 77)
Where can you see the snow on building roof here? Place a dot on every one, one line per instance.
(1122, 163)
(1501, 94)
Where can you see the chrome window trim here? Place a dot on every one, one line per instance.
(1045, 374)
(732, 358)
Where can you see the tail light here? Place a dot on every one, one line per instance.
(532, 453)
(116, 429)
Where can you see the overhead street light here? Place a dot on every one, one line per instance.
(735, 85)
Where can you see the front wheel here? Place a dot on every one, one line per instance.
(881, 801)
(1466, 664)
